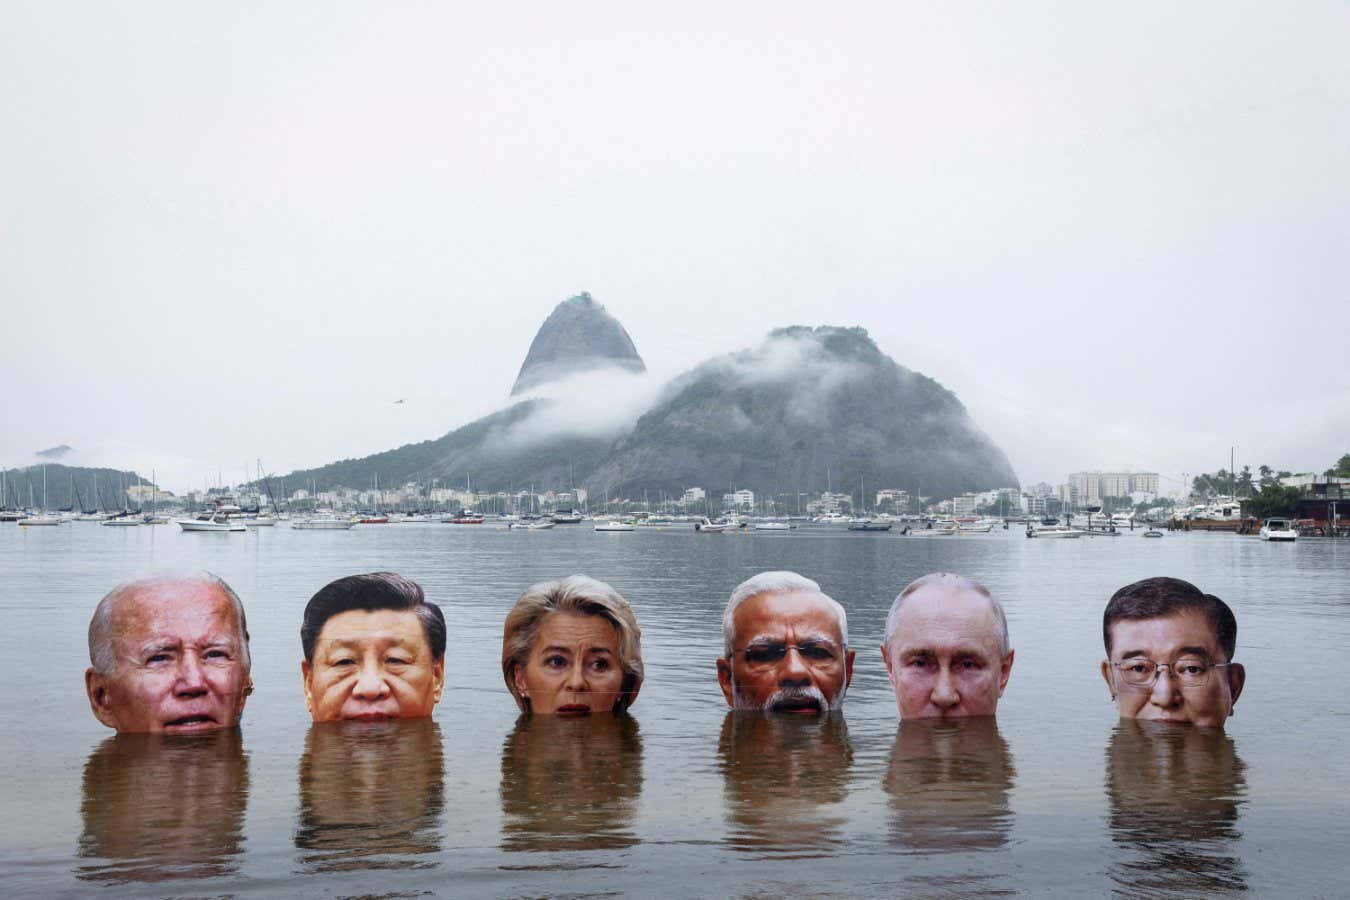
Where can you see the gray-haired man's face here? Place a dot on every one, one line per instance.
(179, 663)
(945, 656)
(789, 655)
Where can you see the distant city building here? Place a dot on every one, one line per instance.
(694, 495)
(1033, 504)
(965, 504)
(739, 499)
(1041, 489)
(899, 498)
(1091, 487)
(1067, 494)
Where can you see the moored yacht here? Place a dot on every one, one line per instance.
(1278, 530)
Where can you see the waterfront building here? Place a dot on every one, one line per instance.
(741, 499)
(693, 495)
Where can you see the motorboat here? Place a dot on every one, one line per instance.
(708, 525)
(615, 526)
(975, 527)
(773, 526)
(122, 521)
(40, 519)
(464, 517)
(1053, 531)
(833, 519)
(869, 525)
(1278, 530)
(535, 525)
(373, 520)
(568, 517)
(260, 522)
(217, 522)
(323, 522)
(153, 519)
(1153, 533)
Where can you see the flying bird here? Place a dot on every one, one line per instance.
(397, 402)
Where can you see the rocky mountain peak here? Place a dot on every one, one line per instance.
(578, 336)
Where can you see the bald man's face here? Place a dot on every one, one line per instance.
(944, 659)
(178, 665)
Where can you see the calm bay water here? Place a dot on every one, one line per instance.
(1057, 797)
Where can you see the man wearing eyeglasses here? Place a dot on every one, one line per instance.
(1169, 649)
(786, 647)
(946, 649)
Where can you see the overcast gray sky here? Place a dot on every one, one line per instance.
(1117, 230)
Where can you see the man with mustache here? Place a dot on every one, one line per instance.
(786, 647)
(169, 654)
(946, 649)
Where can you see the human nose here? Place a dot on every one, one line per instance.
(370, 683)
(944, 694)
(577, 680)
(793, 668)
(191, 677)
(1165, 688)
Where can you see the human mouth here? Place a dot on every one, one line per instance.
(797, 705)
(370, 717)
(573, 709)
(199, 722)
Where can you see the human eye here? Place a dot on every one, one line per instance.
(1137, 667)
(555, 661)
(600, 664)
(159, 656)
(395, 661)
(765, 653)
(343, 662)
(919, 663)
(1191, 667)
(816, 652)
(216, 653)
(968, 664)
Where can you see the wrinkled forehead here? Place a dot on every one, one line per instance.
(798, 614)
(185, 610)
(1162, 637)
(939, 616)
(374, 627)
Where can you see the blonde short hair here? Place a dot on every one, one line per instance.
(576, 593)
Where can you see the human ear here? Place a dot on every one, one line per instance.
(96, 686)
(1005, 670)
(518, 678)
(437, 679)
(1237, 677)
(724, 680)
(848, 667)
(1106, 676)
(307, 681)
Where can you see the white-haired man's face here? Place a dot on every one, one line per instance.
(178, 661)
(788, 655)
(945, 657)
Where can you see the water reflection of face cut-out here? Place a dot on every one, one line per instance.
(1175, 795)
(369, 790)
(949, 782)
(781, 775)
(571, 784)
(158, 807)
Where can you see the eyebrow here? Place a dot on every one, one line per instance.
(959, 650)
(1181, 651)
(778, 639)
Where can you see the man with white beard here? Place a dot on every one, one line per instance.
(786, 647)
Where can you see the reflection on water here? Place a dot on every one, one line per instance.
(780, 776)
(371, 794)
(162, 807)
(571, 784)
(948, 785)
(1175, 793)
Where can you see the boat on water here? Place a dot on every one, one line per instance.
(772, 526)
(1053, 531)
(1278, 530)
(122, 521)
(40, 519)
(323, 522)
(870, 525)
(373, 520)
(260, 522)
(832, 519)
(1153, 533)
(708, 525)
(464, 517)
(533, 525)
(217, 522)
(567, 517)
(615, 526)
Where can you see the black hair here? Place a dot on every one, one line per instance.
(377, 590)
(1155, 598)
